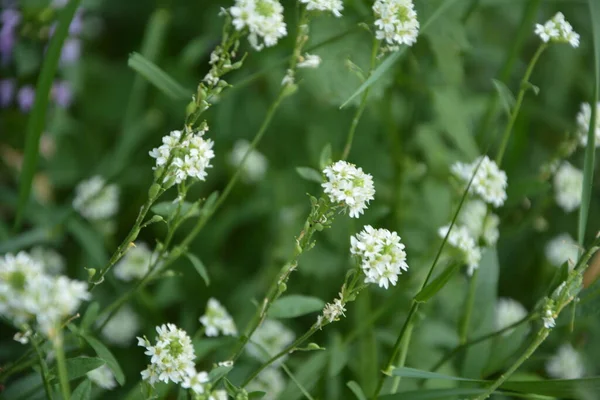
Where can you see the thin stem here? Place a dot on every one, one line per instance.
(62, 367)
(515, 111)
(402, 357)
(43, 368)
(463, 330)
(541, 336)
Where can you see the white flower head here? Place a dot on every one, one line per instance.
(508, 312)
(256, 164)
(333, 311)
(562, 248)
(170, 358)
(23, 337)
(349, 186)
(396, 23)
(548, 316)
(95, 200)
(52, 261)
(135, 263)
(558, 30)
(481, 224)
(269, 339)
(489, 182)
(310, 61)
(584, 118)
(568, 182)
(460, 239)
(122, 328)
(196, 381)
(217, 320)
(269, 381)
(262, 18)
(103, 377)
(334, 6)
(381, 254)
(566, 363)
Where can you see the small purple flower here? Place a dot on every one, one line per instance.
(25, 98)
(7, 42)
(71, 51)
(62, 93)
(10, 18)
(77, 23)
(7, 91)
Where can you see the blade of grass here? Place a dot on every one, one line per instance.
(37, 118)
(159, 78)
(588, 163)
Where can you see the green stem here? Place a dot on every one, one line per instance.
(62, 367)
(541, 336)
(463, 331)
(402, 357)
(515, 111)
(43, 368)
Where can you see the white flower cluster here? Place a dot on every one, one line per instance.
(51, 260)
(256, 164)
(190, 155)
(27, 292)
(334, 6)
(479, 222)
(262, 18)
(557, 29)
(460, 239)
(508, 312)
(382, 256)
(333, 311)
(566, 363)
(562, 248)
(269, 339)
(103, 377)
(489, 182)
(270, 381)
(172, 357)
(95, 200)
(135, 263)
(548, 316)
(396, 23)
(349, 186)
(568, 182)
(309, 61)
(216, 319)
(122, 328)
(584, 117)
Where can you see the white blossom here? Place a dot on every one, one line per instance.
(170, 358)
(480, 223)
(460, 239)
(349, 186)
(135, 263)
(558, 30)
(548, 317)
(568, 182)
(381, 254)
(256, 164)
(122, 328)
(334, 6)
(217, 320)
(270, 381)
(262, 18)
(218, 395)
(566, 363)
(396, 23)
(103, 377)
(489, 182)
(269, 339)
(562, 248)
(310, 61)
(288, 79)
(333, 311)
(51, 260)
(195, 381)
(508, 312)
(95, 200)
(23, 337)
(584, 118)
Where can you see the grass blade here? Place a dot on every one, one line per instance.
(37, 118)
(158, 77)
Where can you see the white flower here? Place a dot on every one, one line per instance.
(23, 337)
(52, 261)
(583, 123)
(349, 186)
(568, 182)
(310, 61)
(219, 395)
(190, 156)
(480, 223)
(548, 317)
(396, 23)
(135, 263)
(381, 254)
(566, 364)
(216, 319)
(103, 377)
(256, 164)
(508, 312)
(333, 311)
(269, 339)
(262, 18)
(170, 358)
(195, 380)
(461, 239)
(558, 30)
(95, 200)
(121, 328)
(334, 6)
(270, 381)
(562, 248)
(288, 79)
(489, 182)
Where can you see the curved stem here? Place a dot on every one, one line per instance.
(61, 364)
(463, 330)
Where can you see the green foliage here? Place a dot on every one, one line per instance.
(295, 305)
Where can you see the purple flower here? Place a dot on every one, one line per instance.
(7, 42)
(25, 98)
(10, 18)
(77, 23)
(7, 91)
(62, 93)
(71, 51)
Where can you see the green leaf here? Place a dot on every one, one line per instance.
(89, 239)
(199, 267)
(167, 209)
(104, 353)
(392, 58)
(79, 366)
(295, 305)
(37, 117)
(307, 375)
(506, 96)
(90, 315)
(209, 203)
(219, 372)
(588, 163)
(325, 157)
(309, 174)
(432, 394)
(406, 372)
(356, 389)
(256, 395)
(158, 77)
(559, 388)
(559, 277)
(83, 391)
(182, 394)
(437, 284)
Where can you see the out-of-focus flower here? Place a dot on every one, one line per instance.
(508, 312)
(135, 263)
(489, 182)
(568, 182)
(333, 6)
(565, 364)
(71, 51)
(460, 239)
(269, 339)
(396, 23)
(7, 92)
(583, 124)
(62, 93)
(52, 262)
(25, 98)
(103, 377)
(122, 328)
(216, 319)
(310, 61)
(95, 200)
(256, 164)
(270, 381)
(262, 18)
(562, 248)
(558, 30)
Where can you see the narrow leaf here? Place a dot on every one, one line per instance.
(406, 372)
(90, 315)
(158, 77)
(79, 366)
(437, 284)
(325, 157)
(199, 267)
(89, 239)
(83, 391)
(506, 97)
(433, 394)
(219, 372)
(256, 395)
(309, 174)
(167, 209)
(295, 305)
(209, 203)
(356, 389)
(104, 353)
